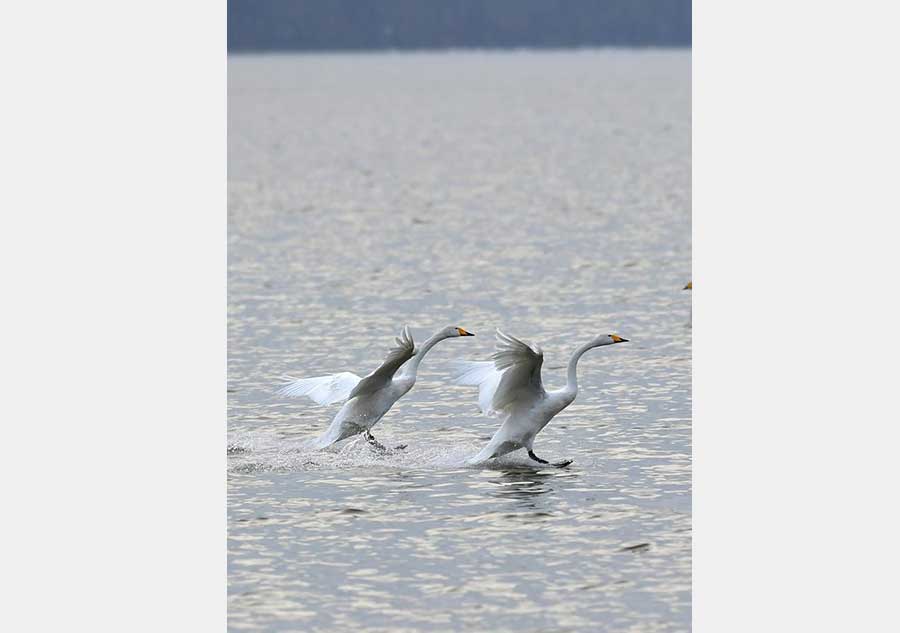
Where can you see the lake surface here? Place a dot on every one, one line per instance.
(547, 193)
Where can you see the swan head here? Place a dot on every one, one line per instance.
(609, 339)
(451, 331)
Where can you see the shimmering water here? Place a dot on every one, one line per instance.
(546, 193)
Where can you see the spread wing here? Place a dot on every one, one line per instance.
(521, 371)
(481, 374)
(322, 389)
(513, 374)
(398, 355)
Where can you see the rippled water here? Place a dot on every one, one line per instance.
(546, 193)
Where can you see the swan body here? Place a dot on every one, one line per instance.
(510, 387)
(367, 399)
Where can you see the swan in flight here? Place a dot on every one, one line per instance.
(369, 398)
(510, 387)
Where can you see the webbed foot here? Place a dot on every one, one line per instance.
(561, 464)
(371, 440)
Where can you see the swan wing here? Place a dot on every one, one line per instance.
(481, 374)
(399, 354)
(520, 365)
(322, 389)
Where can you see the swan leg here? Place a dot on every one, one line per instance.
(381, 447)
(371, 440)
(561, 464)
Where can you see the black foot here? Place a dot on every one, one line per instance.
(371, 440)
(400, 447)
(561, 464)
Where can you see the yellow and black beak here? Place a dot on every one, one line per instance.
(689, 286)
(462, 332)
(618, 339)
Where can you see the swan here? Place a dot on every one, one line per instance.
(509, 386)
(367, 399)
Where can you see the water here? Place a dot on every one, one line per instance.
(546, 193)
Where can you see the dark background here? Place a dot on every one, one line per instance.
(271, 25)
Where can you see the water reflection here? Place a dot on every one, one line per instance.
(523, 484)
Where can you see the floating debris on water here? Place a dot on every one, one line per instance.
(640, 547)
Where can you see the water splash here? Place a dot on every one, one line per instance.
(262, 451)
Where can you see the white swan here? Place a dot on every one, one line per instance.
(510, 387)
(369, 398)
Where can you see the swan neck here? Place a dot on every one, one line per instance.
(412, 367)
(572, 379)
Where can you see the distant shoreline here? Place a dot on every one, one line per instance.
(457, 49)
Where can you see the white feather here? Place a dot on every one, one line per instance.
(521, 371)
(322, 389)
(381, 377)
(481, 374)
